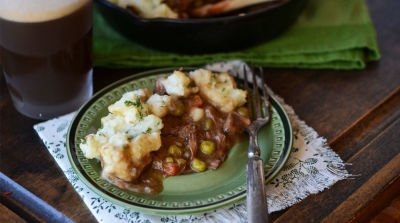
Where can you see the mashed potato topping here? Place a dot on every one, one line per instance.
(131, 132)
(220, 89)
(177, 84)
(131, 105)
(159, 105)
(128, 135)
(147, 8)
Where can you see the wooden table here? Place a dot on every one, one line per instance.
(357, 111)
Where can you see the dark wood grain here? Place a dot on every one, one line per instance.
(357, 111)
(388, 197)
(391, 214)
(358, 200)
(6, 215)
(368, 161)
(365, 129)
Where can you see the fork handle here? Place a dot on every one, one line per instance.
(257, 209)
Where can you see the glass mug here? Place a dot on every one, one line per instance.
(45, 53)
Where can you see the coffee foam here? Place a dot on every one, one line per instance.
(37, 10)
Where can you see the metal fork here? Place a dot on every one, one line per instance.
(257, 209)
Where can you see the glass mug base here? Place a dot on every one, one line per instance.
(48, 111)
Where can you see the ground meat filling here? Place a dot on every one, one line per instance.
(184, 8)
(182, 138)
(181, 131)
(225, 131)
(159, 88)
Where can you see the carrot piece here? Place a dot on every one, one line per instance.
(170, 169)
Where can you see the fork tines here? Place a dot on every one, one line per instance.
(256, 95)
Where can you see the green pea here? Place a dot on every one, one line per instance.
(208, 124)
(174, 150)
(179, 109)
(199, 165)
(169, 159)
(208, 147)
(243, 111)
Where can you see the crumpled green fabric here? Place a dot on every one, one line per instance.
(333, 34)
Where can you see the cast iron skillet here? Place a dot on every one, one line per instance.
(204, 35)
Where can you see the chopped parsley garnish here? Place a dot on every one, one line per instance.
(163, 102)
(128, 103)
(148, 130)
(141, 117)
(223, 89)
(83, 141)
(136, 103)
(212, 78)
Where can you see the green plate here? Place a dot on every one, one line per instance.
(186, 194)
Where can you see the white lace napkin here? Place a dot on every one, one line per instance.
(311, 168)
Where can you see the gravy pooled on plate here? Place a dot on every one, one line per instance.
(188, 125)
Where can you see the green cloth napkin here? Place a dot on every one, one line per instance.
(336, 34)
